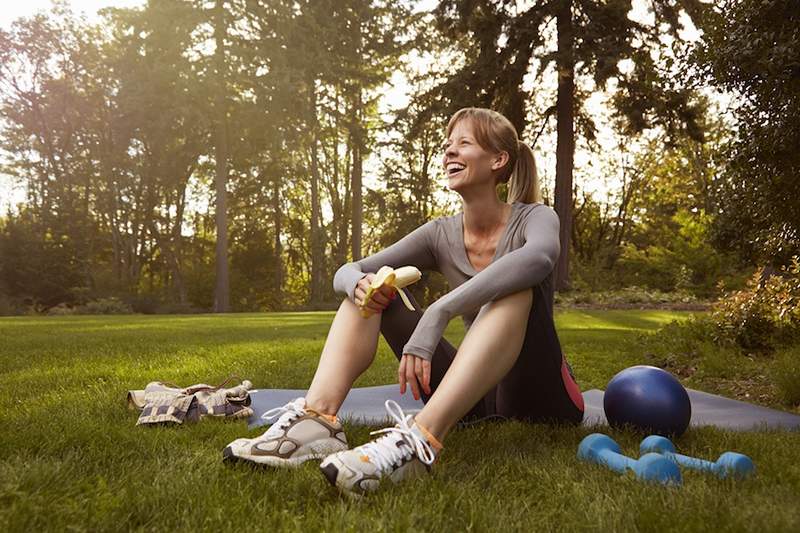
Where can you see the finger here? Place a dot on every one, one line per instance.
(388, 292)
(401, 374)
(362, 286)
(426, 377)
(373, 306)
(380, 299)
(358, 296)
(412, 380)
(419, 373)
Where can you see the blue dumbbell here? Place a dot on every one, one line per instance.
(601, 449)
(729, 463)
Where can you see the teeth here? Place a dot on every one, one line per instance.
(455, 167)
(397, 278)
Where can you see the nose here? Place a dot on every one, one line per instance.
(450, 151)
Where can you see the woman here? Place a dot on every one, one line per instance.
(499, 258)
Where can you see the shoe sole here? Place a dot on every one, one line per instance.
(229, 456)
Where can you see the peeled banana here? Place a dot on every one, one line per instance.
(394, 277)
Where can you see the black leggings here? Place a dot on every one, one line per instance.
(538, 388)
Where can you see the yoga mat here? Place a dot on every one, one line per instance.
(708, 410)
(365, 406)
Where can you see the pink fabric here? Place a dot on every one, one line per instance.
(572, 388)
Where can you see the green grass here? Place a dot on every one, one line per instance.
(72, 459)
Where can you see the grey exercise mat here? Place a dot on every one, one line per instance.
(366, 406)
(708, 410)
(363, 405)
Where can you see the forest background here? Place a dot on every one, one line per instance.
(230, 155)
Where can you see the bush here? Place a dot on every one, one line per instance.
(627, 296)
(764, 315)
(680, 346)
(61, 309)
(105, 306)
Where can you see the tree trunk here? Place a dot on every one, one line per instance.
(276, 213)
(222, 292)
(565, 143)
(341, 221)
(358, 205)
(316, 255)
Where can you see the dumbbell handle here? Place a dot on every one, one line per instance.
(616, 461)
(693, 462)
(729, 463)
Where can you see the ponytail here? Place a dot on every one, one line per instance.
(524, 183)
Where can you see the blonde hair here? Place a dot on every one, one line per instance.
(495, 133)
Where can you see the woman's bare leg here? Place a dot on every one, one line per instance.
(486, 354)
(349, 350)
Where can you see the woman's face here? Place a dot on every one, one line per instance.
(465, 161)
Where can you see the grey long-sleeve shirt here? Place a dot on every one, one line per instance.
(524, 257)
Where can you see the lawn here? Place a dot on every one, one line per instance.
(73, 459)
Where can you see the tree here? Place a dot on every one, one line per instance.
(222, 290)
(501, 41)
(751, 49)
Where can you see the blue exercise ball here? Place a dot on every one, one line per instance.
(648, 399)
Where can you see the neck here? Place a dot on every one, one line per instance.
(484, 215)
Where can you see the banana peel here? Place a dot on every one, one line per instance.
(394, 277)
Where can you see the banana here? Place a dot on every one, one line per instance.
(394, 277)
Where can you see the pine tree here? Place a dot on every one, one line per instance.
(502, 42)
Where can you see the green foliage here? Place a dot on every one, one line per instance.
(37, 267)
(626, 297)
(8, 306)
(655, 231)
(105, 306)
(692, 350)
(680, 345)
(716, 351)
(750, 49)
(786, 374)
(101, 306)
(604, 37)
(675, 256)
(764, 315)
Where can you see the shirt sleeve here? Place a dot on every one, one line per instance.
(417, 249)
(525, 267)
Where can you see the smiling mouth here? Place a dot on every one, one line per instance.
(454, 168)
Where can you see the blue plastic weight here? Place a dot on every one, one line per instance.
(652, 467)
(648, 399)
(730, 464)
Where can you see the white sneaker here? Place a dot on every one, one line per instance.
(400, 454)
(298, 435)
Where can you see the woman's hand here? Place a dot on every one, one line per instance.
(416, 372)
(380, 298)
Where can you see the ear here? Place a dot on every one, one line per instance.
(500, 160)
